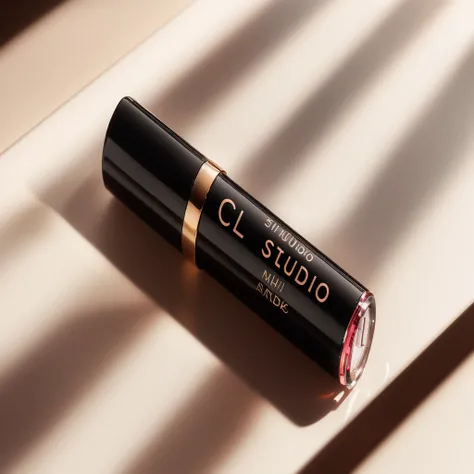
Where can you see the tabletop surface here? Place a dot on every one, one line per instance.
(51, 49)
(353, 122)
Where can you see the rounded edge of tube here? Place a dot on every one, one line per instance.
(347, 377)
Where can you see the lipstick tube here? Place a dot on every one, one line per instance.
(221, 229)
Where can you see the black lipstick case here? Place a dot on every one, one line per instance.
(192, 203)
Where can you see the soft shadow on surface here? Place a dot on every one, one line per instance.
(411, 176)
(269, 163)
(204, 432)
(17, 15)
(37, 391)
(261, 357)
(203, 85)
(253, 350)
(20, 231)
(398, 400)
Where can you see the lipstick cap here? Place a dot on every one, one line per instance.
(149, 168)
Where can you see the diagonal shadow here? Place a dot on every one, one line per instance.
(411, 176)
(208, 428)
(268, 164)
(203, 86)
(252, 349)
(20, 231)
(408, 391)
(36, 392)
(142, 256)
(18, 15)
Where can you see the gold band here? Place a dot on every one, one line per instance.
(202, 184)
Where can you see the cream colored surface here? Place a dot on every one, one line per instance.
(352, 121)
(438, 437)
(66, 49)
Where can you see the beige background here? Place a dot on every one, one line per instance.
(354, 123)
(47, 58)
(438, 437)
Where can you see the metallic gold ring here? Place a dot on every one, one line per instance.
(202, 184)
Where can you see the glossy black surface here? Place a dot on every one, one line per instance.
(264, 263)
(149, 168)
(263, 276)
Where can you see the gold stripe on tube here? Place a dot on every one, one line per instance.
(202, 184)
